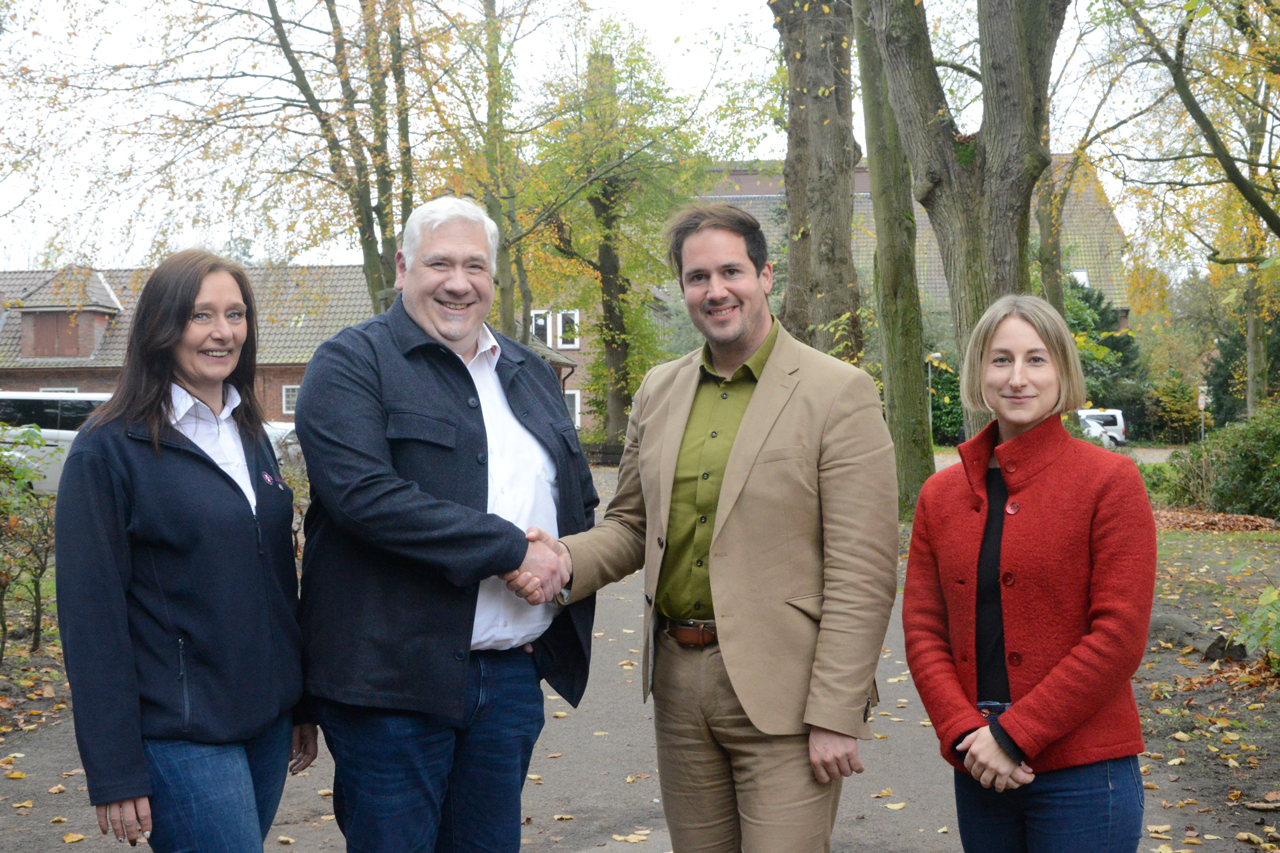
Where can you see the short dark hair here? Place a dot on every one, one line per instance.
(689, 220)
(160, 320)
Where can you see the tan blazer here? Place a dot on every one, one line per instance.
(805, 546)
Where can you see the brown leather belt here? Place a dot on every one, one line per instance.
(692, 633)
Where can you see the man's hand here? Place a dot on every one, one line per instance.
(545, 570)
(991, 765)
(832, 754)
(305, 747)
(127, 818)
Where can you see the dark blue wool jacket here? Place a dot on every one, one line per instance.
(398, 533)
(177, 606)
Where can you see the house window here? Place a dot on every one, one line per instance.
(1081, 276)
(569, 330)
(573, 402)
(55, 335)
(542, 320)
(290, 400)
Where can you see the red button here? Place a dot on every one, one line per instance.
(1012, 508)
(1011, 467)
(1007, 579)
(1015, 659)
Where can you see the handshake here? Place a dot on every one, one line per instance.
(547, 567)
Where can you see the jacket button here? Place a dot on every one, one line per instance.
(472, 402)
(459, 655)
(1015, 659)
(1012, 508)
(482, 458)
(1011, 467)
(661, 544)
(1007, 579)
(648, 599)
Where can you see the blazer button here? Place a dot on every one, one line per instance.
(1015, 659)
(661, 544)
(459, 655)
(648, 599)
(1012, 508)
(1011, 467)
(472, 402)
(1007, 579)
(482, 458)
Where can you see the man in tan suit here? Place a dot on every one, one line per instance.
(757, 490)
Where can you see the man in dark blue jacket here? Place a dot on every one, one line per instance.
(432, 445)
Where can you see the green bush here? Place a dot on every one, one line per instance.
(1157, 477)
(1260, 629)
(1237, 469)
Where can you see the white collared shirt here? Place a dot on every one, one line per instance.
(523, 490)
(217, 435)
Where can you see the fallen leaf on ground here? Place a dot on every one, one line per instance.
(554, 755)
(1181, 736)
(284, 839)
(895, 806)
(28, 804)
(1248, 838)
(16, 774)
(562, 817)
(598, 734)
(72, 838)
(887, 792)
(559, 715)
(533, 777)
(79, 771)
(634, 838)
(58, 820)
(327, 817)
(1164, 827)
(57, 789)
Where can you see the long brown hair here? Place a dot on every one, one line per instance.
(160, 320)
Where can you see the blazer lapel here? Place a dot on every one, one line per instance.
(773, 390)
(679, 402)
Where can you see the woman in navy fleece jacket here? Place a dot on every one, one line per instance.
(177, 590)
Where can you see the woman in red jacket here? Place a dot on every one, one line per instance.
(1027, 603)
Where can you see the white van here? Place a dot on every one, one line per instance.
(59, 414)
(1105, 425)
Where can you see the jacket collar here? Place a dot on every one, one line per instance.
(1020, 458)
(409, 336)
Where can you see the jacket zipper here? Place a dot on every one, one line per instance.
(186, 684)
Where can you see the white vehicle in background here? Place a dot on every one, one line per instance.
(1105, 425)
(58, 414)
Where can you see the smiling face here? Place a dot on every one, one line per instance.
(1019, 382)
(210, 346)
(448, 287)
(726, 297)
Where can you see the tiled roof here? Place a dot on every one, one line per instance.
(1092, 239)
(81, 287)
(299, 308)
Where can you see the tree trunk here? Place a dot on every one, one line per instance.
(822, 300)
(1049, 204)
(37, 613)
(613, 318)
(906, 394)
(977, 187)
(1255, 338)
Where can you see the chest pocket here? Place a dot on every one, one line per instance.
(419, 426)
(569, 434)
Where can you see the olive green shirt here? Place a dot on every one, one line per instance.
(684, 584)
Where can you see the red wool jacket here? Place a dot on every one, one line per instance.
(1077, 566)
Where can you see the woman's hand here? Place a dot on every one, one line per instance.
(305, 747)
(128, 818)
(991, 765)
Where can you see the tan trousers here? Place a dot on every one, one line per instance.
(726, 786)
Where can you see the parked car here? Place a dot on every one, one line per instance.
(1105, 425)
(58, 414)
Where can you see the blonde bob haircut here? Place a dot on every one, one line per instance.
(1051, 329)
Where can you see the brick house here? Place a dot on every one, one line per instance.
(66, 330)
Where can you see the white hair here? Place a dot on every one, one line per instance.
(427, 217)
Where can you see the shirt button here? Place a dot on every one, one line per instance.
(504, 623)
(473, 402)
(697, 605)
(698, 563)
(714, 433)
(1012, 508)
(724, 395)
(1015, 659)
(706, 476)
(482, 458)
(1011, 467)
(1007, 579)
(702, 520)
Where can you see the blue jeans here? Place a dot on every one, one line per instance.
(217, 798)
(406, 782)
(1096, 807)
